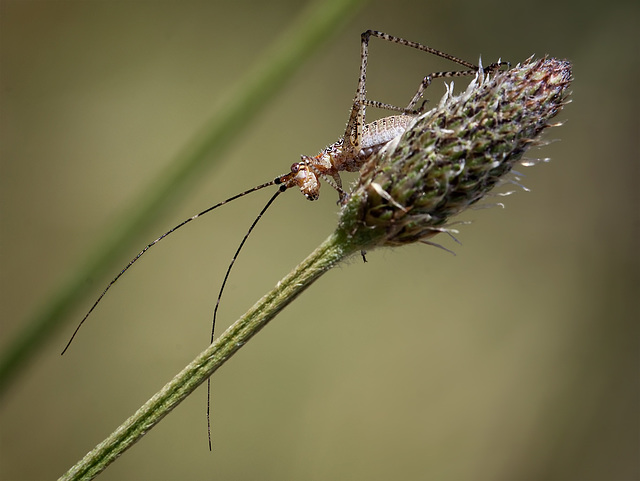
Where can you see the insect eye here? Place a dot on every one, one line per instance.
(295, 167)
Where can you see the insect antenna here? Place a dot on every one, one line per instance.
(132, 261)
(282, 188)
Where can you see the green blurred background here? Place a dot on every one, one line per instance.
(517, 359)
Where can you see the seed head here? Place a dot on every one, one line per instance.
(454, 154)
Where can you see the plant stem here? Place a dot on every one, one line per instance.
(328, 254)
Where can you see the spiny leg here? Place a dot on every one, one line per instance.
(355, 125)
(427, 81)
(411, 106)
(365, 38)
(447, 74)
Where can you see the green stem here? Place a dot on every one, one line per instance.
(327, 255)
(249, 97)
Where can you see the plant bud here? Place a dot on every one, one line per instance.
(451, 156)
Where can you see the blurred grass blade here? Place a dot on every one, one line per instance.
(251, 95)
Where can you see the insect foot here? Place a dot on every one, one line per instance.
(453, 155)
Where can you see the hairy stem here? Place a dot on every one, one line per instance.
(330, 252)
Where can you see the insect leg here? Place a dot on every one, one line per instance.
(356, 122)
(418, 46)
(353, 132)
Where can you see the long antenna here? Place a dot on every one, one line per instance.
(132, 261)
(282, 188)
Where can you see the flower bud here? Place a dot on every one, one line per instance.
(451, 156)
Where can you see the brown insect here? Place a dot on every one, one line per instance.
(359, 142)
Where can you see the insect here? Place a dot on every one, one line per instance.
(359, 142)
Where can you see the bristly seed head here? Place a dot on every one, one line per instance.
(453, 155)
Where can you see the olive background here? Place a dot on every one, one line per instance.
(516, 359)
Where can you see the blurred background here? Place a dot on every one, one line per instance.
(517, 359)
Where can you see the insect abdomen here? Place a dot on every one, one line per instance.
(383, 130)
